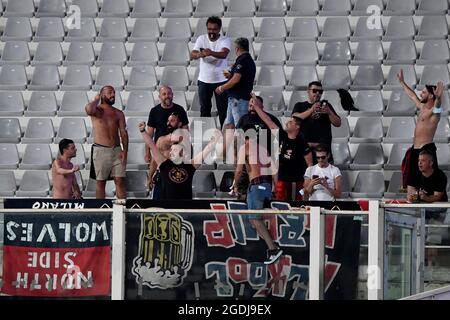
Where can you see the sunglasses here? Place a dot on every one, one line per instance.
(321, 157)
(316, 90)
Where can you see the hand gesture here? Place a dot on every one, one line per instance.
(206, 52)
(141, 126)
(255, 102)
(226, 73)
(75, 168)
(439, 89)
(422, 193)
(400, 77)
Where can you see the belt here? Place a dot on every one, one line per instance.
(102, 146)
(261, 179)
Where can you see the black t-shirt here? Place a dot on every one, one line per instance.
(158, 118)
(246, 67)
(437, 182)
(176, 180)
(292, 165)
(315, 128)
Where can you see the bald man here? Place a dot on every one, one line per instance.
(108, 157)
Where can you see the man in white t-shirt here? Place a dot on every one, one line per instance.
(212, 49)
(322, 181)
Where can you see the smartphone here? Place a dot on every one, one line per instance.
(315, 176)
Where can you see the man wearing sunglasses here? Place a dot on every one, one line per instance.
(317, 117)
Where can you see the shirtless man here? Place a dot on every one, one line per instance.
(65, 184)
(429, 105)
(258, 164)
(108, 159)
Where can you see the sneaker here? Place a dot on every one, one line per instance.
(273, 255)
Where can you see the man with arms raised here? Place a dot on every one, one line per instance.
(65, 184)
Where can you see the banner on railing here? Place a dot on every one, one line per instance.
(211, 256)
(57, 255)
(47, 203)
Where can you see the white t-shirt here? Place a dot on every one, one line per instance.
(211, 69)
(330, 173)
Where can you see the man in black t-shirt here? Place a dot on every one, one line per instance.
(317, 117)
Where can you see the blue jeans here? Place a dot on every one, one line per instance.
(256, 195)
(236, 109)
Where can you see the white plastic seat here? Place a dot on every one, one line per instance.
(50, 29)
(241, 28)
(114, 8)
(273, 102)
(369, 103)
(145, 29)
(369, 156)
(433, 27)
(23, 8)
(395, 185)
(368, 184)
(42, 104)
(271, 8)
(13, 77)
(77, 77)
(36, 156)
(336, 77)
(335, 29)
(203, 184)
(207, 8)
(396, 156)
(9, 156)
(8, 183)
(400, 104)
(73, 104)
(139, 103)
(205, 124)
(17, 29)
(177, 29)
(11, 103)
(442, 131)
(51, 8)
(88, 8)
(368, 77)
(401, 52)
(146, 9)
(360, 8)
(342, 133)
(81, 53)
(142, 78)
(175, 53)
(271, 77)
(48, 53)
(136, 155)
(271, 28)
(112, 53)
(303, 53)
(109, 75)
(301, 76)
(72, 128)
(45, 78)
(39, 130)
(434, 52)
(341, 155)
(336, 8)
(200, 28)
(86, 32)
(443, 155)
(336, 52)
(34, 184)
(432, 7)
(89, 191)
(10, 131)
(401, 130)
(409, 74)
(15, 52)
(113, 29)
(400, 7)
(368, 52)
(363, 32)
(304, 8)
(240, 8)
(272, 53)
(332, 96)
(136, 184)
(133, 132)
(177, 9)
(303, 29)
(431, 74)
(175, 77)
(367, 130)
(400, 28)
(144, 53)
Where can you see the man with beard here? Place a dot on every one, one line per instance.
(108, 159)
(157, 127)
(429, 105)
(212, 49)
(65, 184)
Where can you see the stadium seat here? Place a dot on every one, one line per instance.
(109, 75)
(77, 77)
(396, 156)
(11, 103)
(363, 32)
(86, 32)
(241, 27)
(23, 8)
(42, 104)
(13, 77)
(301, 76)
(9, 156)
(136, 155)
(81, 53)
(48, 53)
(433, 27)
(36, 156)
(361, 6)
(367, 130)
(336, 8)
(297, 96)
(133, 132)
(112, 29)
(142, 78)
(177, 9)
(395, 186)
(203, 184)
(335, 29)
(400, 105)
(175, 53)
(51, 8)
(270, 77)
(208, 163)
(179, 98)
(34, 184)
(72, 128)
(145, 29)
(45, 78)
(80, 158)
(177, 29)
(303, 53)
(271, 28)
(303, 8)
(443, 156)
(175, 77)
(10, 131)
(442, 131)
(17, 29)
(39, 130)
(273, 102)
(401, 130)
(368, 52)
(240, 8)
(401, 52)
(341, 155)
(232, 55)
(49, 29)
(88, 8)
(400, 28)
(112, 53)
(198, 126)
(200, 29)
(207, 8)
(73, 104)
(400, 8)
(434, 52)
(271, 53)
(409, 73)
(114, 8)
(368, 184)
(272, 8)
(432, 7)
(369, 102)
(139, 103)
(136, 184)
(144, 53)
(303, 28)
(336, 77)
(146, 9)
(332, 96)
(8, 184)
(369, 156)
(336, 53)
(89, 192)
(15, 52)
(345, 185)
(368, 77)
(342, 133)
(431, 74)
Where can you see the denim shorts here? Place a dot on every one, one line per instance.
(236, 109)
(256, 195)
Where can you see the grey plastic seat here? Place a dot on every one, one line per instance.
(271, 53)
(9, 156)
(34, 184)
(241, 27)
(240, 8)
(72, 128)
(303, 53)
(145, 29)
(15, 52)
(177, 9)
(443, 155)
(133, 132)
(10, 131)
(303, 29)
(272, 8)
(203, 184)
(17, 29)
(207, 8)
(109, 75)
(304, 8)
(368, 77)
(363, 32)
(81, 53)
(45, 78)
(399, 104)
(51, 8)
(395, 186)
(146, 9)
(8, 183)
(48, 53)
(336, 52)
(112, 53)
(431, 74)
(203, 123)
(335, 29)
(301, 76)
(342, 133)
(231, 58)
(400, 28)
(11, 103)
(39, 130)
(36, 156)
(175, 77)
(345, 184)
(336, 77)
(368, 52)
(87, 31)
(136, 155)
(396, 156)
(24, 8)
(271, 77)
(360, 8)
(50, 29)
(175, 53)
(400, 7)
(369, 102)
(142, 78)
(367, 130)
(114, 8)
(369, 156)
(89, 191)
(341, 155)
(401, 130)
(335, 100)
(88, 8)
(442, 131)
(409, 74)
(368, 184)
(177, 29)
(432, 7)
(336, 8)
(200, 28)
(271, 28)
(273, 102)
(73, 103)
(113, 29)
(434, 52)
(42, 104)
(224, 182)
(144, 53)
(139, 103)
(13, 77)
(136, 184)
(433, 27)
(77, 77)
(401, 52)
